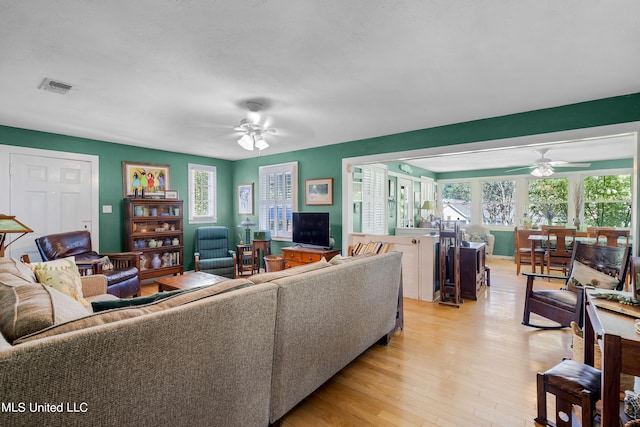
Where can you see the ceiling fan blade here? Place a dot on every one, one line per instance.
(519, 169)
(572, 165)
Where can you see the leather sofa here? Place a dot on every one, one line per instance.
(123, 279)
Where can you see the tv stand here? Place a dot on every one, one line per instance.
(300, 255)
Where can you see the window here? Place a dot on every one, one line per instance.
(498, 202)
(548, 201)
(374, 200)
(456, 201)
(607, 201)
(278, 192)
(202, 194)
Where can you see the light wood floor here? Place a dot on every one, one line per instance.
(470, 366)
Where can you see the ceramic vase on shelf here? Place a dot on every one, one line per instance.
(153, 243)
(176, 241)
(138, 211)
(156, 262)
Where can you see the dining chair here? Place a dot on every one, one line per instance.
(560, 244)
(523, 247)
(565, 305)
(612, 235)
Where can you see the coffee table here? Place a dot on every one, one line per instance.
(189, 280)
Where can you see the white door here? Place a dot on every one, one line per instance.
(49, 195)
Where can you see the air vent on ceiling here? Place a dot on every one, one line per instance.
(55, 86)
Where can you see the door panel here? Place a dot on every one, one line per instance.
(50, 195)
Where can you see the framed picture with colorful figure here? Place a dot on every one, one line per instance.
(144, 179)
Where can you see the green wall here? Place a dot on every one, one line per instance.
(321, 162)
(110, 191)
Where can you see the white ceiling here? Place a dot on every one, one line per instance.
(174, 74)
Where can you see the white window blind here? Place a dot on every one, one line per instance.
(374, 200)
(278, 192)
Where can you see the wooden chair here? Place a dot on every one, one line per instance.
(564, 305)
(612, 235)
(557, 254)
(522, 250)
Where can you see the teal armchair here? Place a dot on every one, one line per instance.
(212, 254)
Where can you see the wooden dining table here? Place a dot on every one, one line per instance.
(615, 333)
(536, 239)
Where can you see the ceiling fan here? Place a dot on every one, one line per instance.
(544, 166)
(252, 131)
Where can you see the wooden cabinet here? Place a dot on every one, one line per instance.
(155, 228)
(299, 255)
(472, 269)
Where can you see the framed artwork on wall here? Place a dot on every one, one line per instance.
(245, 199)
(318, 191)
(152, 179)
(171, 194)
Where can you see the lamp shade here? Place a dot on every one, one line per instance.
(428, 205)
(247, 223)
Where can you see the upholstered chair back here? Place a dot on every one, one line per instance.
(61, 245)
(212, 242)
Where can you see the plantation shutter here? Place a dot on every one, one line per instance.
(374, 200)
(278, 198)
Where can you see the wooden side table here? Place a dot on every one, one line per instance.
(265, 247)
(246, 260)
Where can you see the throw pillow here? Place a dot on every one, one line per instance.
(17, 268)
(131, 302)
(31, 307)
(61, 274)
(106, 263)
(632, 404)
(583, 275)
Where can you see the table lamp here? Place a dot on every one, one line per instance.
(247, 223)
(9, 224)
(428, 205)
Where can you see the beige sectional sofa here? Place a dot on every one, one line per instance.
(240, 353)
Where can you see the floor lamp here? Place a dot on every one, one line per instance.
(9, 224)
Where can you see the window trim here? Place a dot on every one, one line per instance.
(212, 170)
(287, 167)
(522, 196)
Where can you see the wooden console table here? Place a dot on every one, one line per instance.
(620, 344)
(299, 255)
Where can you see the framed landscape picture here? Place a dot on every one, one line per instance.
(152, 178)
(245, 199)
(318, 191)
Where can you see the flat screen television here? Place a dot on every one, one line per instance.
(311, 229)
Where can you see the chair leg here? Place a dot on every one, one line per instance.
(542, 400)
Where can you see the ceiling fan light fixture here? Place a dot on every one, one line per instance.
(261, 144)
(246, 142)
(542, 171)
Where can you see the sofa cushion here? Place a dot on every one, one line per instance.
(114, 315)
(274, 275)
(17, 268)
(31, 307)
(61, 274)
(583, 275)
